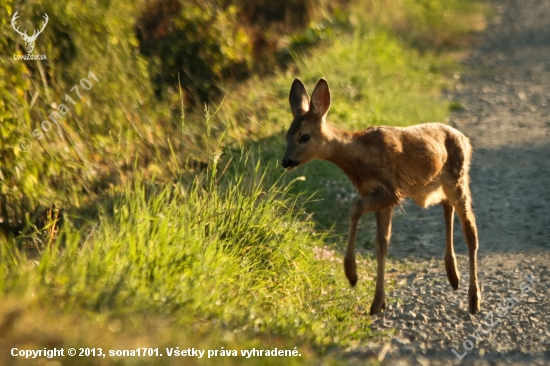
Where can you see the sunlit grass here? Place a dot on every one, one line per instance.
(216, 252)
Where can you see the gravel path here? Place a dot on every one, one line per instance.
(506, 99)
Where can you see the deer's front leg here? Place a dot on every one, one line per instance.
(350, 267)
(379, 200)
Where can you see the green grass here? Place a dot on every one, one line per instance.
(241, 255)
(213, 253)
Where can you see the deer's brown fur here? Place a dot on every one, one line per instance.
(427, 162)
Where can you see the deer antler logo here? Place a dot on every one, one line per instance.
(29, 40)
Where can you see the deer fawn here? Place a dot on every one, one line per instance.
(427, 162)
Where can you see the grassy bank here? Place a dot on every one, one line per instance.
(230, 261)
(183, 231)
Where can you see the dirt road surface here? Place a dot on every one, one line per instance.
(505, 94)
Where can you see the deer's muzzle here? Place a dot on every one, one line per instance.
(289, 163)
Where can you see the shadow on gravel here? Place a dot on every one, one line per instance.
(511, 200)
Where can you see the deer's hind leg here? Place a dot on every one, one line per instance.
(460, 199)
(383, 234)
(450, 259)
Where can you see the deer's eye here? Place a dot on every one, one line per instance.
(305, 138)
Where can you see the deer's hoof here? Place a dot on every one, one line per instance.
(377, 307)
(452, 272)
(350, 269)
(474, 300)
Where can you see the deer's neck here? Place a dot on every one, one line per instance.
(342, 150)
(338, 144)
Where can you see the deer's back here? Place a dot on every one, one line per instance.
(412, 161)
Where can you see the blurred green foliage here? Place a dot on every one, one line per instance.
(200, 42)
(65, 164)
(138, 50)
(210, 41)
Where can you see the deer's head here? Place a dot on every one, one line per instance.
(305, 138)
(29, 40)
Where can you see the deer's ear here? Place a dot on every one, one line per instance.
(320, 98)
(298, 98)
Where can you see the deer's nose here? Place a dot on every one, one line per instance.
(289, 163)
